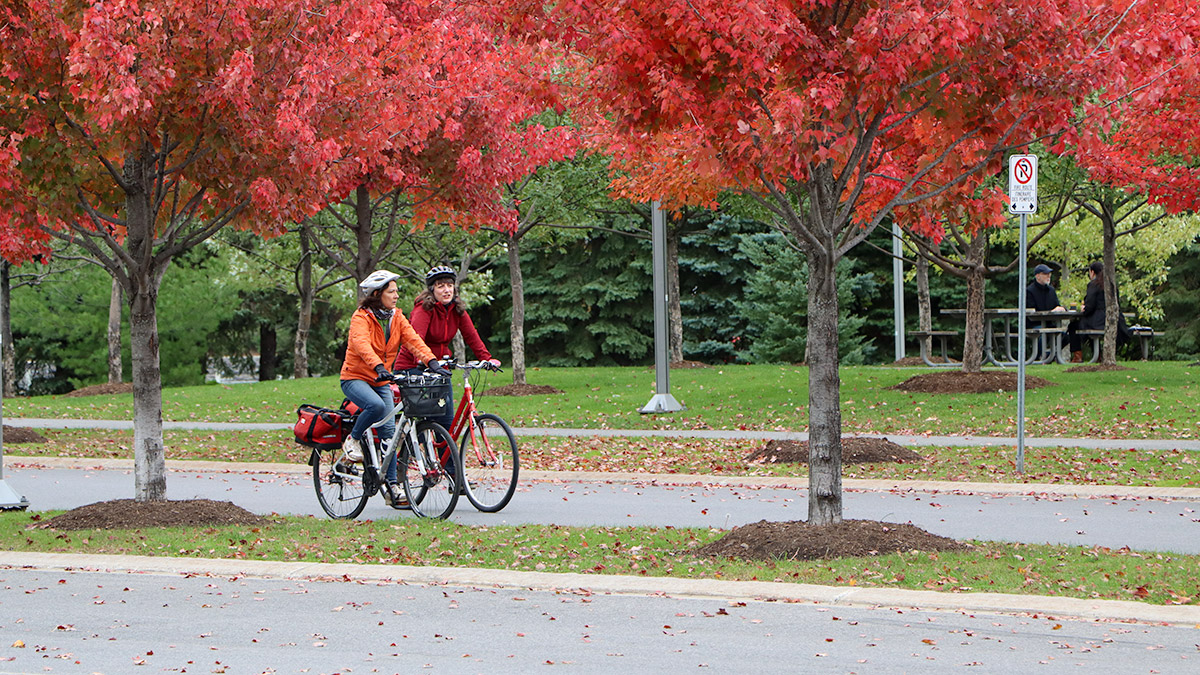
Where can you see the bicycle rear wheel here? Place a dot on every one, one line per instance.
(490, 463)
(339, 485)
(428, 484)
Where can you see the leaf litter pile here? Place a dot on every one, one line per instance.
(797, 540)
(854, 451)
(128, 514)
(958, 382)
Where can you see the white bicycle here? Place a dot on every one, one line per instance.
(424, 447)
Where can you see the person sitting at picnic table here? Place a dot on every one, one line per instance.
(1040, 296)
(1093, 314)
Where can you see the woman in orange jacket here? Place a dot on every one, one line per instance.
(377, 331)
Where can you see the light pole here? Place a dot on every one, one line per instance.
(662, 401)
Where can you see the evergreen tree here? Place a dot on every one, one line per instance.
(775, 315)
(587, 303)
(1179, 302)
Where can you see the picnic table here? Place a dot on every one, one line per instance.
(1047, 332)
(1044, 339)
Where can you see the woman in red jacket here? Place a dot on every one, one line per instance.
(377, 332)
(438, 313)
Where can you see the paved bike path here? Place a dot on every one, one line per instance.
(901, 439)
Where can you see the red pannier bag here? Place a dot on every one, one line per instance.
(321, 428)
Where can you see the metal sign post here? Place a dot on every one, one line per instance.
(898, 288)
(662, 401)
(1022, 199)
(9, 499)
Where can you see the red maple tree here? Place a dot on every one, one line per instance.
(833, 116)
(1139, 144)
(139, 128)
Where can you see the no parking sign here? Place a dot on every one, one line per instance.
(1022, 184)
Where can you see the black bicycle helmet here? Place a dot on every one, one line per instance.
(440, 272)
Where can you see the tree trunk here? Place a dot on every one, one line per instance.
(267, 346)
(114, 334)
(150, 477)
(516, 335)
(304, 321)
(824, 391)
(975, 332)
(924, 307)
(459, 347)
(674, 309)
(144, 276)
(363, 260)
(6, 338)
(1112, 303)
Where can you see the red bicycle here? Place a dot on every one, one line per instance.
(487, 448)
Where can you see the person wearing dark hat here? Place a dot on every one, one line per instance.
(1040, 296)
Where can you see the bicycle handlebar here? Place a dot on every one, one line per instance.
(474, 365)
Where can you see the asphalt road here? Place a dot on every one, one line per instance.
(222, 616)
(87, 622)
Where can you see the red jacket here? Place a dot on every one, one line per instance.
(437, 326)
(365, 347)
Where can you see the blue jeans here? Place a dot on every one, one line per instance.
(376, 404)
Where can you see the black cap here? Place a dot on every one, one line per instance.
(1042, 269)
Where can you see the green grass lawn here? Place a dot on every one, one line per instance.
(1153, 399)
(651, 551)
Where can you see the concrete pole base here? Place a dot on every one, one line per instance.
(10, 500)
(661, 403)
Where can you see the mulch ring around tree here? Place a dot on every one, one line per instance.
(683, 365)
(797, 540)
(854, 451)
(520, 390)
(99, 389)
(1095, 368)
(128, 514)
(958, 382)
(22, 435)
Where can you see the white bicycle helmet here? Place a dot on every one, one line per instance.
(376, 280)
(439, 272)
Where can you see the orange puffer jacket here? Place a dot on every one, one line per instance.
(365, 347)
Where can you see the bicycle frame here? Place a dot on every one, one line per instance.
(464, 427)
(374, 462)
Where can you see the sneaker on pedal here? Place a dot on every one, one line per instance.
(394, 496)
(353, 449)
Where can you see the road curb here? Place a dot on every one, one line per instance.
(739, 591)
(1050, 490)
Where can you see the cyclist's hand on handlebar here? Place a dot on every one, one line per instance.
(493, 364)
(435, 366)
(382, 373)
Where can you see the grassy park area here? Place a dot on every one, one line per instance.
(1150, 400)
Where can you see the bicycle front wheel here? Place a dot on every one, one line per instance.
(339, 485)
(428, 478)
(490, 463)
